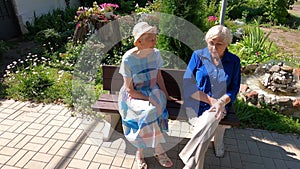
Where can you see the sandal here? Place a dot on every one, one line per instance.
(141, 164)
(164, 160)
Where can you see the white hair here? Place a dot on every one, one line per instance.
(219, 31)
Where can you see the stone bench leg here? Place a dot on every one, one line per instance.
(219, 140)
(110, 123)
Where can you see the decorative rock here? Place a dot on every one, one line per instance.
(275, 68)
(287, 68)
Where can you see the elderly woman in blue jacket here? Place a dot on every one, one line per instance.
(211, 83)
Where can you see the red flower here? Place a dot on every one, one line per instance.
(212, 18)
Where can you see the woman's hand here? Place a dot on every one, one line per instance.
(219, 108)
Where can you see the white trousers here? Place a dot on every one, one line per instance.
(193, 153)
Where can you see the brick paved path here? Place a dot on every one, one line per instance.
(36, 136)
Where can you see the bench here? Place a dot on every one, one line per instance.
(113, 81)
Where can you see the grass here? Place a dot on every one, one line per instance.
(266, 119)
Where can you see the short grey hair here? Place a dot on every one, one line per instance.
(219, 31)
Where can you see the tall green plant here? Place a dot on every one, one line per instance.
(254, 47)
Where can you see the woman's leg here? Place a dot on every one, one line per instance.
(140, 159)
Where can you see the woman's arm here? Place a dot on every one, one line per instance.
(201, 96)
(131, 91)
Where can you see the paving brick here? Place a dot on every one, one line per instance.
(44, 131)
(243, 147)
(70, 121)
(94, 165)
(79, 164)
(30, 131)
(251, 158)
(4, 127)
(75, 135)
(61, 136)
(39, 140)
(36, 125)
(103, 159)
(48, 146)
(8, 135)
(252, 146)
(118, 161)
(41, 118)
(51, 132)
(48, 119)
(15, 141)
(33, 147)
(25, 159)
(23, 142)
(90, 154)
(104, 166)
(268, 163)
(56, 147)
(4, 141)
(53, 162)
(8, 167)
(22, 127)
(82, 151)
(45, 108)
(8, 122)
(66, 130)
(270, 153)
(128, 163)
(292, 163)
(64, 152)
(8, 151)
(13, 160)
(42, 157)
(235, 159)
(248, 165)
(4, 158)
(35, 164)
(56, 123)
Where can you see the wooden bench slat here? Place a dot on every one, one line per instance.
(109, 103)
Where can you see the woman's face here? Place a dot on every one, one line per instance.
(216, 46)
(148, 40)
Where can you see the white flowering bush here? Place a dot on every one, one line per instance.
(36, 79)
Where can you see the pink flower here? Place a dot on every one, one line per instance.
(212, 18)
(109, 6)
(256, 53)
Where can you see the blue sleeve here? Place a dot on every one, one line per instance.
(234, 86)
(189, 81)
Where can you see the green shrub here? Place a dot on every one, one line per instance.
(273, 11)
(59, 20)
(192, 11)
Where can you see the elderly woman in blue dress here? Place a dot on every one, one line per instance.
(142, 99)
(211, 83)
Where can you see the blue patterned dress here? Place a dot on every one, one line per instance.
(142, 123)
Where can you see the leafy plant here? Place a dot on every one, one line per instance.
(254, 47)
(187, 11)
